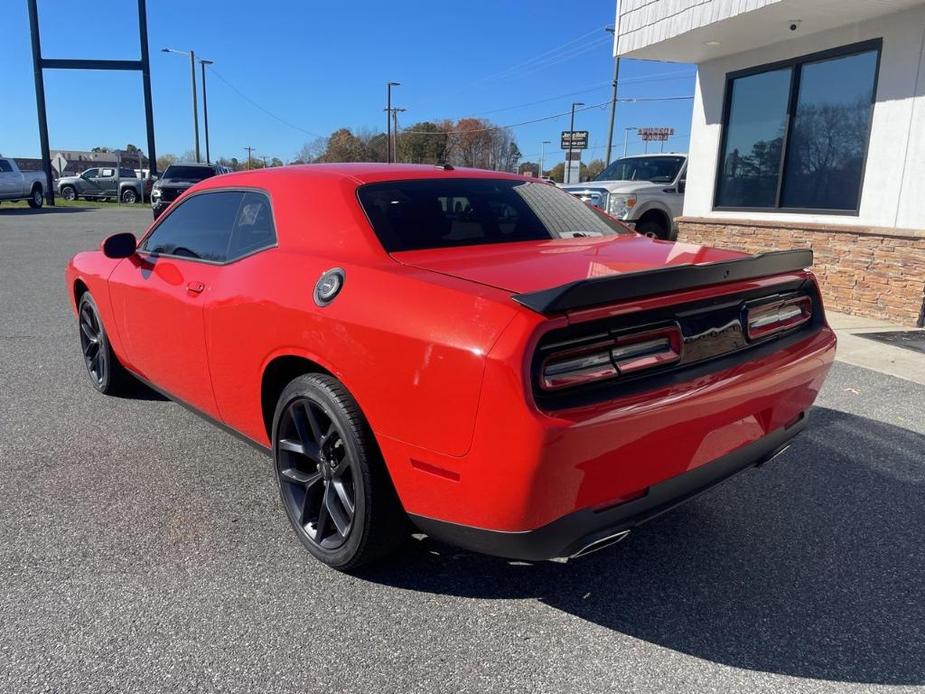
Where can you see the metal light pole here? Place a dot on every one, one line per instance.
(543, 154)
(626, 133)
(571, 136)
(388, 119)
(613, 100)
(205, 106)
(192, 69)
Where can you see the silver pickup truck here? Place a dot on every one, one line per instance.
(102, 183)
(21, 185)
(644, 191)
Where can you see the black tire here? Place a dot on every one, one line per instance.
(36, 198)
(326, 459)
(129, 196)
(653, 226)
(107, 375)
(68, 193)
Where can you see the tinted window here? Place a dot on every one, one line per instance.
(411, 215)
(808, 154)
(199, 228)
(654, 169)
(754, 139)
(91, 173)
(127, 173)
(189, 173)
(828, 140)
(5, 166)
(253, 228)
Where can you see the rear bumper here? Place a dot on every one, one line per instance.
(570, 534)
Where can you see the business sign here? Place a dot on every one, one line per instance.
(574, 139)
(655, 134)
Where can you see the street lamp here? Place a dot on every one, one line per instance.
(192, 68)
(205, 105)
(388, 119)
(543, 154)
(571, 136)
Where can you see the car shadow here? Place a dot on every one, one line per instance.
(136, 390)
(23, 211)
(812, 566)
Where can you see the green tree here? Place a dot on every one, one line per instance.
(423, 143)
(343, 145)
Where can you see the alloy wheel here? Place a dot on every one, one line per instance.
(317, 475)
(91, 344)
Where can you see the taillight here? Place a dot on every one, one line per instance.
(621, 355)
(767, 319)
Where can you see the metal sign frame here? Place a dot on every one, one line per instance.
(40, 64)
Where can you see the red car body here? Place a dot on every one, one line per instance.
(443, 361)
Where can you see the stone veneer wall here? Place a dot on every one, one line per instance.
(866, 271)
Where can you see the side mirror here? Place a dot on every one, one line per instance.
(682, 184)
(120, 246)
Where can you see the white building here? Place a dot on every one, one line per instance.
(808, 129)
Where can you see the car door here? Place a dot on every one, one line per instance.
(674, 196)
(10, 183)
(86, 182)
(106, 181)
(161, 292)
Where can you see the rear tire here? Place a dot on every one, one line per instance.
(37, 198)
(107, 375)
(129, 196)
(332, 480)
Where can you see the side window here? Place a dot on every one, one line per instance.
(199, 228)
(127, 173)
(5, 166)
(107, 173)
(91, 173)
(253, 228)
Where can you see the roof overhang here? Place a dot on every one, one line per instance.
(694, 36)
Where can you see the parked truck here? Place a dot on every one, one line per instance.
(21, 185)
(644, 191)
(103, 183)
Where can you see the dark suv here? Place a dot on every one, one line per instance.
(178, 178)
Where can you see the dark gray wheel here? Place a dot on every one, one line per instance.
(106, 373)
(37, 198)
(129, 196)
(332, 481)
(68, 193)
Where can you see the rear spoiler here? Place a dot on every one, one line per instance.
(633, 285)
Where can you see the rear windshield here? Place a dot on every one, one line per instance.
(189, 173)
(444, 213)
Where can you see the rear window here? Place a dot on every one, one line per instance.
(444, 213)
(189, 173)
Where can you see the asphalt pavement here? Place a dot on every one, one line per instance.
(144, 550)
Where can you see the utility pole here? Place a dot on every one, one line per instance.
(264, 157)
(395, 112)
(571, 136)
(192, 68)
(249, 152)
(613, 98)
(543, 155)
(205, 106)
(388, 119)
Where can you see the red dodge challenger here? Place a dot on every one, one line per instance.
(512, 370)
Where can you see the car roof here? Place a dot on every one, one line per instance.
(369, 172)
(655, 154)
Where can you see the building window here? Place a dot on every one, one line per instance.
(795, 134)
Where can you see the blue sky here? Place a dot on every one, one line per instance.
(323, 65)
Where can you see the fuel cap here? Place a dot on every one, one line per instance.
(328, 286)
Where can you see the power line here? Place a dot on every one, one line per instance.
(255, 104)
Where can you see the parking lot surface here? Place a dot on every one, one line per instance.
(144, 550)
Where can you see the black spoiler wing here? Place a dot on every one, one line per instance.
(633, 285)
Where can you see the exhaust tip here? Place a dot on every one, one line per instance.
(602, 543)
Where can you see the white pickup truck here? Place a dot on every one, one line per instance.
(645, 191)
(21, 185)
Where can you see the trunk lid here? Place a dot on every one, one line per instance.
(532, 266)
